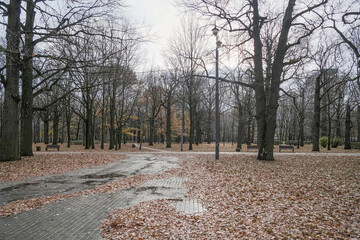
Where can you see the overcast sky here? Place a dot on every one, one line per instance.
(162, 16)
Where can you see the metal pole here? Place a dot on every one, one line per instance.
(217, 113)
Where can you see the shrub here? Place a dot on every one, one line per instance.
(355, 145)
(336, 142)
(291, 142)
(76, 142)
(323, 141)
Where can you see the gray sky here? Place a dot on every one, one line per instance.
(162, 17)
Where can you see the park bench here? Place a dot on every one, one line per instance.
(286, 147)
(52, 146)
(251, 147)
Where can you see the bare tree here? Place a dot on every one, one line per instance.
(169, 83)
(345, 20)
(187, 49)
(246, 19)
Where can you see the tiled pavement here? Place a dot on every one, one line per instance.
(79, 217)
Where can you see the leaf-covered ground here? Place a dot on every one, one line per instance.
(53, 163)
(229, 147)
(295, 197)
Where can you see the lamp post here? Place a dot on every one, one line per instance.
(215, 32)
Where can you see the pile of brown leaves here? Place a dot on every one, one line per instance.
(295, 197)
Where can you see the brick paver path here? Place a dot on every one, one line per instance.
(80, 217)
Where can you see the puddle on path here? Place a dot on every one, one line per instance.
(110, 176)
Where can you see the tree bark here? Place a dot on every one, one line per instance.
(329, 131)
(56, 119)
(103, 117)
(10, 149)
(240, 127)
(152, 131)
(46, 128)
(198, 128)
(347, 128)
(191, 116)
(68, 130)
(168, 122)
(27, 78)
(338, 119)
(209, 132)
(316, 116)
(358, 123)
(88, 126)
(112, 116)
(302, 118)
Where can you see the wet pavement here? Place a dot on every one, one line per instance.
(79, 217)
(83, 179)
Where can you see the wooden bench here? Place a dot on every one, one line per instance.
(286, 147)
(251, 147)
(52, 146)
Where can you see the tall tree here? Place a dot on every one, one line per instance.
(155, 101)
(187, 49)
(169, 82)
(10, 149)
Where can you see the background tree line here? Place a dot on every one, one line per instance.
(69, 74)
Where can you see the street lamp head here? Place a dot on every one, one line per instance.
(215, 31)
(218, 43)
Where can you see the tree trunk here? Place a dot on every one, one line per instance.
(329, 132)
(301, 130)
(78, 129)
(240, 127)
(358, 123)
(209, 133)
(112, 118)
(37, 130)
(103, 119)
(152, 131)
(93, 124)
(168, 123)
(10, 149)
(266, 110)
(302, 118)
(27, 78)
(68, 129)
(248, 139)
(56, 120)
(198, 128)
(120, 135)
(338, 121)
(259, 86)
(316, 116)
(46, 129)
(88, 128)
(62, 131)
(192, 123)
(347, 127)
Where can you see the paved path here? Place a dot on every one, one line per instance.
(79, 217)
